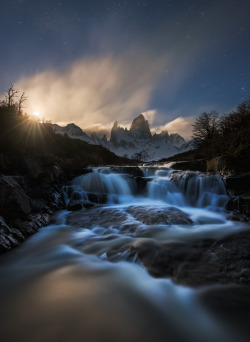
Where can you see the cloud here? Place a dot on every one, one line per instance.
(180, 125)
(93, 90)
(150, 115)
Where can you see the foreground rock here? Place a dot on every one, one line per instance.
(133, 216)
(25, 206)
(224, 261)
(159, 215)
(97, 217)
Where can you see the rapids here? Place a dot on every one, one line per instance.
(82, 278)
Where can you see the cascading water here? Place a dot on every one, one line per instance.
(89, 275)
(115, 187)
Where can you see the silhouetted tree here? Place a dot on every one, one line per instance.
(22, 99)
(10, 95)
(235, 127)
(206, 129)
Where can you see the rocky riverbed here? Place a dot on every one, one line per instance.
(148, 242)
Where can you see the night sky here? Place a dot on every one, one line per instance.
(91, 62)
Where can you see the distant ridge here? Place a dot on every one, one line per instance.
(135, 143)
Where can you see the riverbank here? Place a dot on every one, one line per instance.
(152, 243)
(31, 190)
(234, 169)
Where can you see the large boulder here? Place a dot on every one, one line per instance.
(159, 215)
(223, 261)
(102, 217)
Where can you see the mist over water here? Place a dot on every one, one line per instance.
(79, 279)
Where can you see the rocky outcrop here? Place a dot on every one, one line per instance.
(130, 220)
(224, 261)
(102, 217)
(141, 127)
(25, 206)
(159, 215)
(30, 194)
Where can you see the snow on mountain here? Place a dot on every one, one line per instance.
(73, 131)
(138, 142)
(135, 143)
(189, 145)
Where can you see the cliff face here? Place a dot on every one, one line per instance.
(30, 185)
(138, 142)
(141, 127)
(134, 143)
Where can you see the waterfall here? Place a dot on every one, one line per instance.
(100, 186)
(201, 190)
(106, 185)
(137, 263)
(187, 188)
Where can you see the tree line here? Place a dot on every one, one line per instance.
(22, 135)
(226, 134)
(19, 132)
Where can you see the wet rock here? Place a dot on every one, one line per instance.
(32, 224)
(159, 215)
(207, 262)
(9, 237)
(75, 205)
(102, 217)
(163, 260)
(3, 226)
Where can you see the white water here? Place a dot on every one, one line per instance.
(78, 281)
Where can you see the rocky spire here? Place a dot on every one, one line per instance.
(113, 135)
(141, 126)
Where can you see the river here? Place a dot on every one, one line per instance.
(99, 273)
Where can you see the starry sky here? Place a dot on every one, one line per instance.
(91, 62)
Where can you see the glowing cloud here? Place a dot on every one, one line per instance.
(181, 125)
(93, 91)
(150, 115)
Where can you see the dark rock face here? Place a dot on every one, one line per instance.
(103, 217)
(24, 208)
(26, 202)
(115, 218)
(113, 134)
(9, 237)
(159, 215)
(226, 261)
(140, 125)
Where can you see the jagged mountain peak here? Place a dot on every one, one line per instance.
(141, 126)
(136, 142)
(115, 125)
